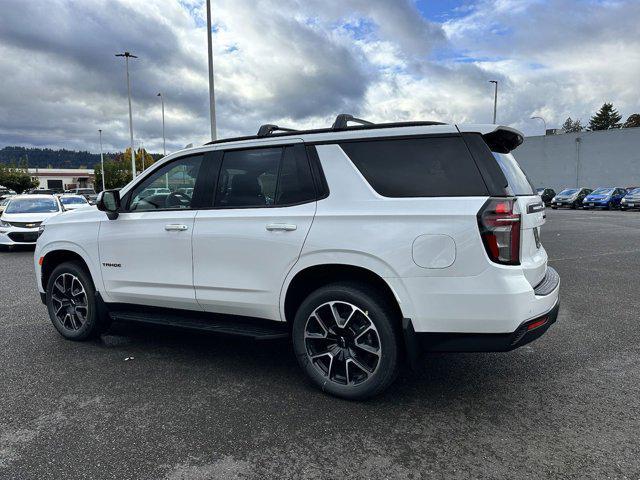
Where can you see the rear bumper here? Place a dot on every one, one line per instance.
(482, 342)
(524, 332)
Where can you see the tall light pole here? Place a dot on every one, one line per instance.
(543, 121)
(101, 159)
(212, 98)
(164, 142)
(495, 100)
(126, 56)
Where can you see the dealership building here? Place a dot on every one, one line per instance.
(63, 178)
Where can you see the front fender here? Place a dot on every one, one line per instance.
(90, 258)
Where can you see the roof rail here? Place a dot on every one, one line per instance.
(340, 124)
(268, 129)
(344, 118)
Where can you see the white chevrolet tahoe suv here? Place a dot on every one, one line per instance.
(366, 244)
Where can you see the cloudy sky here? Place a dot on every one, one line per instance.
(300, 62)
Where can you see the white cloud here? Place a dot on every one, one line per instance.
(300, 62)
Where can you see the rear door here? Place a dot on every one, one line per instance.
(249, 239)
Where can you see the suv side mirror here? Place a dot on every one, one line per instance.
(109, 201)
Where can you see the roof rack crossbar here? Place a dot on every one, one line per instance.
(275, 131)
(344, 118)
(268, 129)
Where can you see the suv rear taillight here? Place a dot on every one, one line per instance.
(500, 230)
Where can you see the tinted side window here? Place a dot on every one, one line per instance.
(295, 183)
(417, 167)
(170, 187)
(248, 178)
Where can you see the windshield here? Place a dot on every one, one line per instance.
(32, 205)
(73, 200)
(602, 191)
(568, 191)
(517, 179)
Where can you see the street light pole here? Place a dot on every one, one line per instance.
(164, 142)
(495, 100)
(126, 56)
(212, 98)
(543, 121)
(101, 159)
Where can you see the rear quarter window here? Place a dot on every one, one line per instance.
(417, 167)
(516, 178)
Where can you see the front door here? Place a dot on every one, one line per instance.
(145, 254)
(246, 244)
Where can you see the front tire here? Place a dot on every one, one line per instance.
(346, 340)
(71, 302)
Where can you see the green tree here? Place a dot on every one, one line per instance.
(571, 126)
(632, 121)
(606, 118)
(16, 178)
(117, 171)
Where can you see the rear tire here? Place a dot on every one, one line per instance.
(71, 302)
(345, 338)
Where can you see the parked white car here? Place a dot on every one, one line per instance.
(22, 217)
(73, 202)
(365, 243)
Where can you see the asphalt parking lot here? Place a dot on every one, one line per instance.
(190, 406)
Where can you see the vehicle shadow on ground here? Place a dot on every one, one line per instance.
(436, 378)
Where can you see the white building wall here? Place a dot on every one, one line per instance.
(608, 158)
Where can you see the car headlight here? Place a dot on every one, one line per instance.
(40, 230)
(624, 200)
(4, 224)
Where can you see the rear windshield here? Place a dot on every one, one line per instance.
(417, 167)
(602, 191)
(517, 179)
(32, 205)
(568, 191)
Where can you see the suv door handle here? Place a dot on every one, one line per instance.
(175, 228)
(287, 227)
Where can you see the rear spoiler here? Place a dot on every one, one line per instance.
(500, 139)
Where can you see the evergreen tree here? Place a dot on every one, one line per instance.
(571, 126)
(606, 118)
(632, 121)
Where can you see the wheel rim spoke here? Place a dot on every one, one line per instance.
(350, 352)
(69, 302)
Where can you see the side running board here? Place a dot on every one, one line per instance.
(229, 325)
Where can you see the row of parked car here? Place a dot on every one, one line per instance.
(586, 198)
(22, 215)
